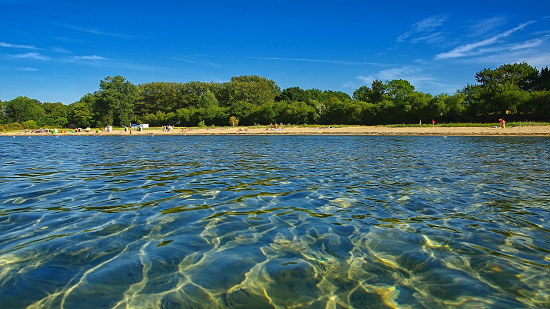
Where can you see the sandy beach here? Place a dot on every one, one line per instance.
(324, 130)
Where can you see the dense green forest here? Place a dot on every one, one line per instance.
(515, 91)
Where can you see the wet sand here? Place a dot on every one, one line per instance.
(326, 130)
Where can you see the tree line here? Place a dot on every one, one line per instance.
(515, 91)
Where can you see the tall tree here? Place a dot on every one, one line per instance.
(455, 106)
(2, 113)
(158, 96)
(117, 98)
(22, 109)
(245, 111)
(293, 94)
(543, 80)
(505, 88)
(253, 89)
(363, 93)
(539, 105)
(375, 94)
(56, 114)
(207, 100)
(520, 75)
(315, 94)
(378, 91)
(81, 113)
(342, 96)
(398, 90)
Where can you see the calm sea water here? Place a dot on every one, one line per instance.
(274, 222)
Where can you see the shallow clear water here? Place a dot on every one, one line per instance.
(274, 222)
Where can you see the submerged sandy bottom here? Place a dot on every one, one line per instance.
(274, 221)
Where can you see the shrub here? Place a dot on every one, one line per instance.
(233, 121)
(14, 126)
(30, 124)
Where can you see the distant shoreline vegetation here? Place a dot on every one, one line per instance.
(516, 92)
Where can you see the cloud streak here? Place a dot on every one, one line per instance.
(197, 62)
(27, 69)
(343, 62)
(476, 48)
(534, 56)
(9, 45)
(99, 32)
(528, 44)
(424, 30)
(414, 74)
(90, 57)
(485, 26)
(33, 56)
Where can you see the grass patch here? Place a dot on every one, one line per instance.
(529, 123)
(471, 124)
(441, 125)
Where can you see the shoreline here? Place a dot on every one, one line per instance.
(427, 130)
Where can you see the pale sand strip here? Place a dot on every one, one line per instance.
(327, 130)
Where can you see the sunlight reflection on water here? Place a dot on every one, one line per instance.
(274, 222)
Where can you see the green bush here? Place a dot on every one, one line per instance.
(233, 121)
(14, 126)
(30, 124)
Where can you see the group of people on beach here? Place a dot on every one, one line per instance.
(55, 131)
(502, 123)
(133, 127)
(275, 126)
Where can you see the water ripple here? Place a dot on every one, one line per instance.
(274, 222)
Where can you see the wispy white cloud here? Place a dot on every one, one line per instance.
(343, 62)
(527, 44)
(110, 63)
(71, 40)
(9, 45)
(99, 32)
(413, 74)
(60, 50)
(27, 69)
(485, 26)
(477, 48)
(39, 56)
(90, 57)
(195, 61)
(538, 57)
(541, 33)
(426, 30)
(34, 56)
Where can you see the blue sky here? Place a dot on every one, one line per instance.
(57, 51)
